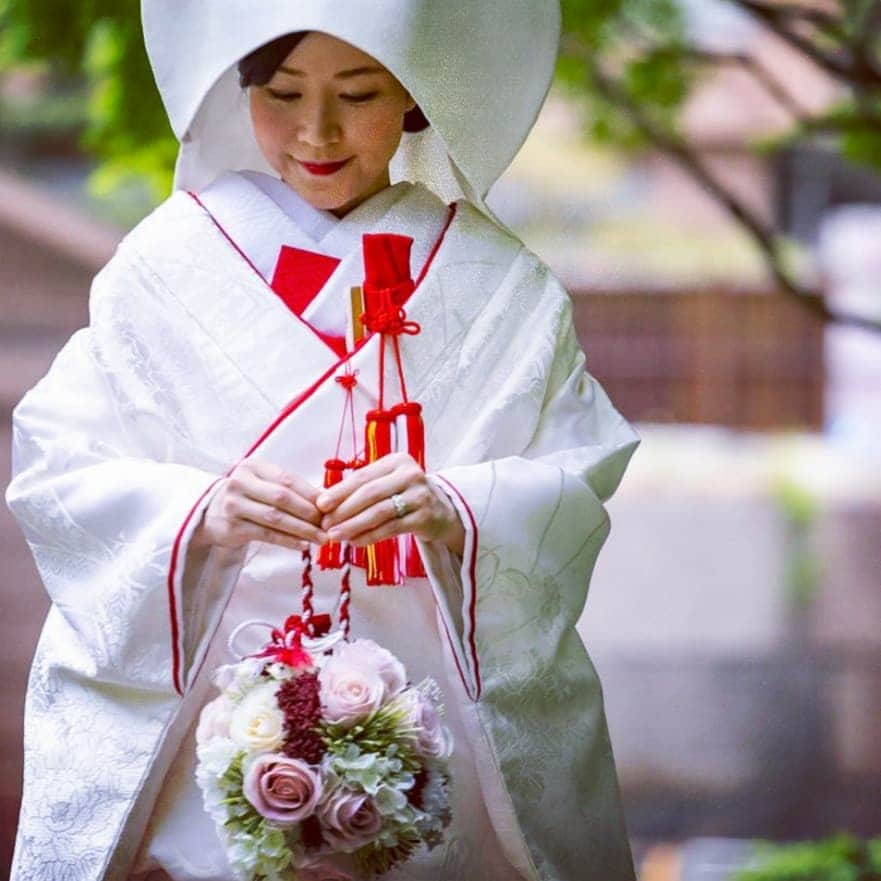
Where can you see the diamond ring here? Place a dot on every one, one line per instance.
(399, 503)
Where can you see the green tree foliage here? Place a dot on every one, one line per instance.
(630, 64)
(99, 43)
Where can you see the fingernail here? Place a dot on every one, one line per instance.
(334, 532)
(322, 500)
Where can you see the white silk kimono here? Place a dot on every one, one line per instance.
(190, 363)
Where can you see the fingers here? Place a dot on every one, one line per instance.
(265, 515)
(275, 474)
(241, 532)
(375, 491)
(270, 485)
(328, 499)
(381, 514)
(259, 501)
(388, 528)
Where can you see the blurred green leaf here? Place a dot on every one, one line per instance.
(841, 858)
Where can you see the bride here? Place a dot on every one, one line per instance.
(170, 471)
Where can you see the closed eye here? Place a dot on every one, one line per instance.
(284, 96)
(359, 99)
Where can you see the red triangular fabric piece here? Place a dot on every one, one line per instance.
(300, 275)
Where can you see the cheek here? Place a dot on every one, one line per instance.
(382, 134)
(269, 128)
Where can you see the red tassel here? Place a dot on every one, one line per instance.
(409, 428)
(357, 555)
(330, 555)
(382, 556)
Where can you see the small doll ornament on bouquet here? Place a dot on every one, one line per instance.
(319, 760)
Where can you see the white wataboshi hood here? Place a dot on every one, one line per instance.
(479, 70)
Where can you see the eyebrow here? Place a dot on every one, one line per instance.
(342, 75)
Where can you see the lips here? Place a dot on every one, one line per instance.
(322, 169)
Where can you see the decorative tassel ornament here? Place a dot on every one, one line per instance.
(382, 556)
(410, 434)
(330, 555)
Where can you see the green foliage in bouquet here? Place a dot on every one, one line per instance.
(262, 847)
(383, 733)
(842, 858)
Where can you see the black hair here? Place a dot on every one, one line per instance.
(258, 67)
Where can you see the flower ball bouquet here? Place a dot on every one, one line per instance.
(319, 762)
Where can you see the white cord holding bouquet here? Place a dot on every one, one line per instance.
(319, 760)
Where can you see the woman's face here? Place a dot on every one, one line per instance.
(329, 122)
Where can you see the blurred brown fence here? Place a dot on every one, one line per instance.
(748, 359)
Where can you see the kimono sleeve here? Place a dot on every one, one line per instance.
(534, 522)
(100, 499)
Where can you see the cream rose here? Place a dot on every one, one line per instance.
(257, 724)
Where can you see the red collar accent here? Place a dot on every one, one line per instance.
(300, 275)
(298, 279)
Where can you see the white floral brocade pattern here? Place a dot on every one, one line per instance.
(185, 364)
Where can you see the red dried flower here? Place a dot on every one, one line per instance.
(298, 699)
(414, 796)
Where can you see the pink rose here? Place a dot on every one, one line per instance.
(214, 719)
(328, 868)
(349, 693)
(282, 789)
(349, 820)
(367, 655)
(433, 739)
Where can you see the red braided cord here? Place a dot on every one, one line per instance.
(307, 591)
(346, 593)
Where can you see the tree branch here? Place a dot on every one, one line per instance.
(764, 238)
(839, 65)
(749, 63)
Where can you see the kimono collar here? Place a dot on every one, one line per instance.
(261, 213)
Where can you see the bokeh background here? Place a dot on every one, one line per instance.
(706, 179)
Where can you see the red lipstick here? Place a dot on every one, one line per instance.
(323, 168)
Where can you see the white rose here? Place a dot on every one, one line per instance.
(365, 653)
(257, 724)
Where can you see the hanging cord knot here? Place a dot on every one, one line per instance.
(386, 314)
(348, 380)
(391, 322)
(285, 646)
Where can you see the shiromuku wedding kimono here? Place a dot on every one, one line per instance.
(194, 358)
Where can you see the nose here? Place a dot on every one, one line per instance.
(318, 124)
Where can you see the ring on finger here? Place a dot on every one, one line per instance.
(400, 505)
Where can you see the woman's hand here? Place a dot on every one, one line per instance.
(359, 509)
(261, 502)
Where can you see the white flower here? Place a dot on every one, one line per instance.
(433, 739)
(214, 719)
(236, 680)
(216, 755)
(257, 724)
